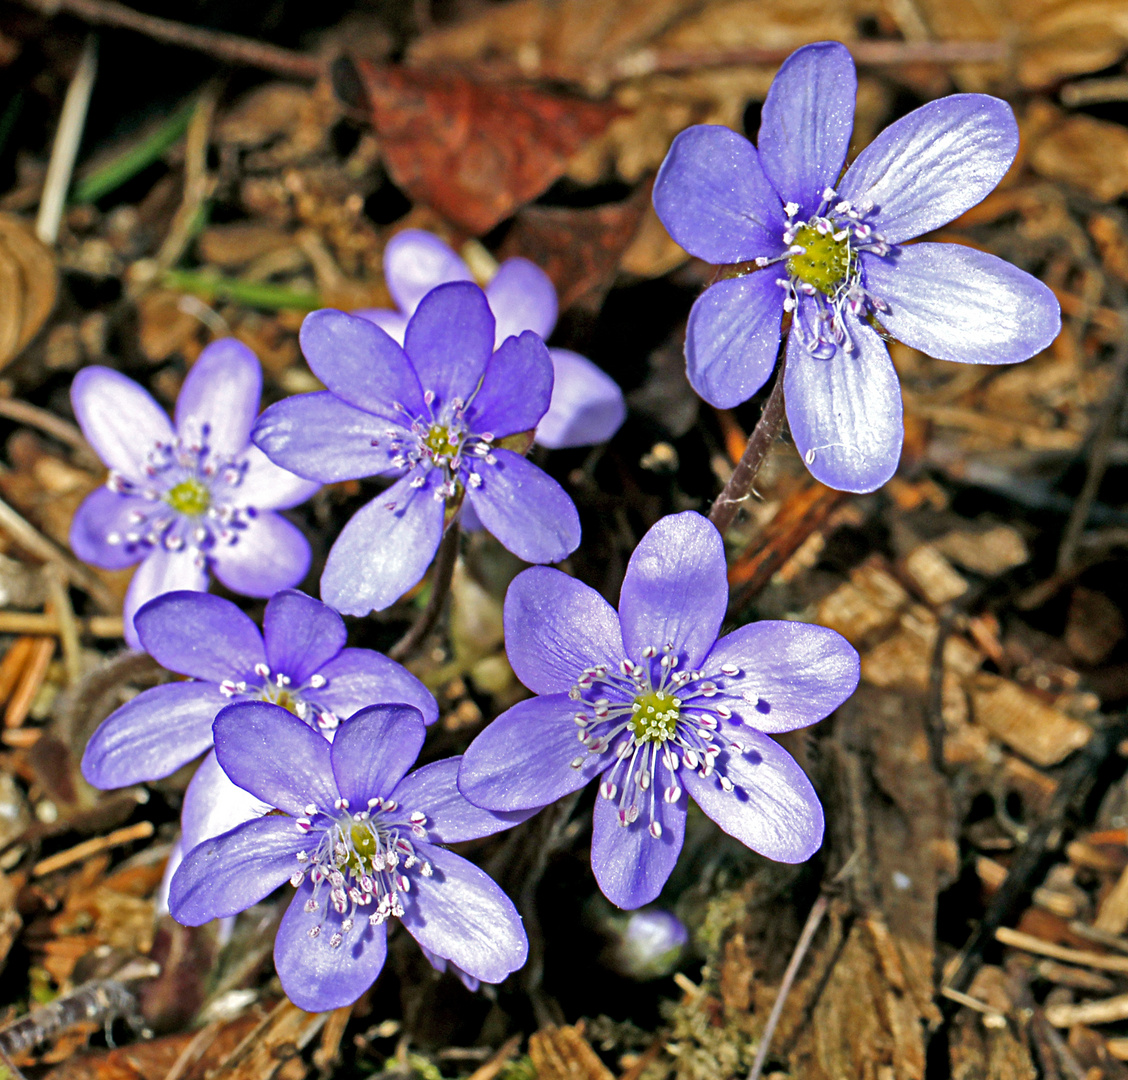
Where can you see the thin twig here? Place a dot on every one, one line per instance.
(64, 151)
(32, 622)
(61, 609)
(440, 587)
(95, 846)
(24, 412)
(228, 47)
(767, 428)
(814, 921)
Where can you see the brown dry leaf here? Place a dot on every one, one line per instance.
(1090, 154)
(564, 1054)
(29, 283)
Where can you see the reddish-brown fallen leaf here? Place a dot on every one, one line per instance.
(475, 151)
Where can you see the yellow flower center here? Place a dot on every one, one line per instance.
(655, 716)
(441, 441)
(826, 261)
(189, 497)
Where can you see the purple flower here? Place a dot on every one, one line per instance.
(660, 709)
(359, 840)
(434, 415)
(190, 500)
(832, 253)
(587, 405)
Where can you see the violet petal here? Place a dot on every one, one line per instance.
(586, 407)
(415, 261)
(516, 388)
(214, 805)
(267, 486)
(373, 750)
(160, 572)
(103, 514)
(270, 553)
(301, 635)
(393, 323)
(221, 392)
(522, 297)
(358, 677)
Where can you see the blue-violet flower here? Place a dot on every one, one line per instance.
(660, 709)
(360, 840)
(832, 253)
(432, 414)
(188, 500)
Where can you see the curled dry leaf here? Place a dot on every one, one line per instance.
(29, 284)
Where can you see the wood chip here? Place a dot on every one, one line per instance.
(1105, 1011)
(870, 601)
(935, 577)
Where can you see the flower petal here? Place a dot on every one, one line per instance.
(102, 514)
(204, 636)
(522, 297)
(555, 627)
(516, 388)
(956, 303)
(930, 166)
(316, 976)
(675, 590)
(222, 392)
(630, 864)
(228, 873)
(271, 553)
(382, 552)
(523, 760)
(586, 407)
(120, 420)
(732, 339)
(460, 914)
(714, 199)
(321, 437)
(528, 511)
(269, 752)
(415, 261)
(451, 817)
(393, 323)
(152, 735)
(213, 805)
(359, 363)
(791, 673)
(450, 340)
(773, 808)
(301, 634)
(267, 486)
(373, 750)
(845, 413)
(162, 571)
(806, 123)
(359, 677)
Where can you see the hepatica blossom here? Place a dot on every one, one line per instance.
(359, 839)
(587, 405)
(832, 253)
(432, 414)
(192, 499)
(648, 699)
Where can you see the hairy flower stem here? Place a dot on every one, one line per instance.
(440, 587)
(765, 432)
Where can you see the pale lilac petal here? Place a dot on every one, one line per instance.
(956, 303)
(160, 572)
(845, 412)
(213, 805)
(460, 913)
(269, 752)
(267, 486)
(415, 261)
(450, 340)
(270, 554)
(316, 976)
(528, 511)
(528, 757)
(203, 636)
(152, 735)
(790, 673)
(732, 339)
(221, 393)
(451, 818)
(555, 628)
(930, 166)
(773, 809)
(321, 437)
(229, 873)
(522, 297)
(630, 864)
(120, 420)
(586, 407)
(359, 363)
(373, 750)
(104, 514)
(675, 590)
(714, 199)
(516, 388)
(806, 123)
(301, 635)
(382, 552)
(359, 677)
(393, 323)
